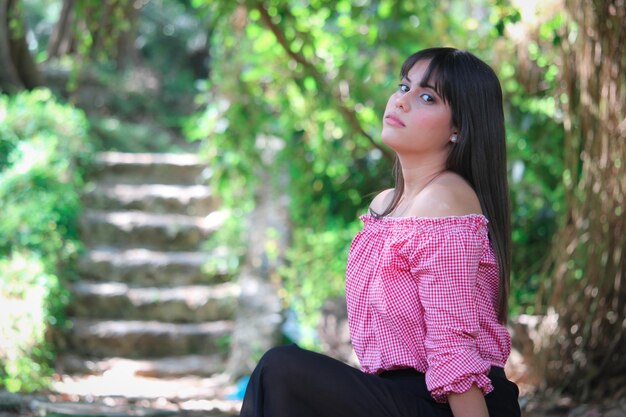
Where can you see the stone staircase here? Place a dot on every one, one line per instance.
(148, 323)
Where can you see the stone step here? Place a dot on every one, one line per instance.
(168, 367)
(64, 408)
(188, 304)
(146, 339)
(190, 393)
(156, 231)
(143, 266)
(152, 168)
(193, 200)
(119, 406)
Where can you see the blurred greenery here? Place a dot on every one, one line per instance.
(317, 75)
(308, 78)
(45, 145)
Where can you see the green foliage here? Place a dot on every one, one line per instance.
(25, 292)
(317, 74)
(306, 296)
(537, 196)
(307, 81)
(38, 187)
(226, 245)
(46, 144)
(311, 79)
(536, 150)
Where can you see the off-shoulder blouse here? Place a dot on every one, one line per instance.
(421, 293)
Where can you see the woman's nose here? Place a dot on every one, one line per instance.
(402, 102)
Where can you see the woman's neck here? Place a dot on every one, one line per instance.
(418, 176)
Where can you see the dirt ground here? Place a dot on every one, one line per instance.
(14, 405)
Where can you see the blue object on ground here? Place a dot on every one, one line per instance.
(240, 391)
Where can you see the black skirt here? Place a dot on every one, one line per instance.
(293, 382)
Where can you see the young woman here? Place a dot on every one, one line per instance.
(427, 277)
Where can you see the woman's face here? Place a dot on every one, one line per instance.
(416, 120)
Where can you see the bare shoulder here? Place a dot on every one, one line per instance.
(382, 200)
(448, 195)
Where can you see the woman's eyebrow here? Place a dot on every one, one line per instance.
(425, 84)
(421, 84)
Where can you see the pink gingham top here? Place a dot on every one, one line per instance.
(421, 293)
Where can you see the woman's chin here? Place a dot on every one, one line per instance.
(389, 139)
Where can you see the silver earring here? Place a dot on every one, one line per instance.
(454, 138)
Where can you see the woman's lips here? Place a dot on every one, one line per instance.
(394, 120)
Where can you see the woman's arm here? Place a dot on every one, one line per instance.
(468, 404)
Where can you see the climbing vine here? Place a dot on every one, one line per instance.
(315, 76)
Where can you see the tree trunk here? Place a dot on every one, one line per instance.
(588, 285)
(18, 66)
(62, 41)
(24, 62)
(9, 78)
(126, 50)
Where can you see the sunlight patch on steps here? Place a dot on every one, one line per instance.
(126, 220)
(194, 295)
(130, 192)
(121, 381)
(148, 158)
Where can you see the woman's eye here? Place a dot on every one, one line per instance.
(427, 97)
(403, 88)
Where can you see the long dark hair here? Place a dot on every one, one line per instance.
(472, 90)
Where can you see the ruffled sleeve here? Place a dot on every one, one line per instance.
(446, 269)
